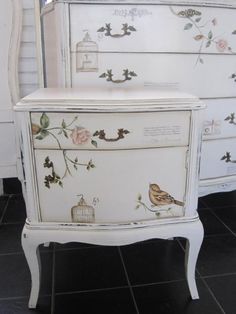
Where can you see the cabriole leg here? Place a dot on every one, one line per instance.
(193, 245)
(32, 255)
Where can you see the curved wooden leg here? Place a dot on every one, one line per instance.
(193, 245)
(32, 255)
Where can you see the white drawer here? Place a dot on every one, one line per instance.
(220, 118)
(157, 69)
(214, 162)
(151, 28)
(116, 189)
(110, 131)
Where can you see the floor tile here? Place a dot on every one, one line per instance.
(3, 203)
(201, 204)
(10, 236)
(73, 245)
(174, 298)
(217, 255)
(20, 306)
(115, 301)
(15, 210)
(224, 199)
(228, 216)
(224, 288)
(15, 276)
(83, 269)
(12, 186)
(154, 261)
(212, 225)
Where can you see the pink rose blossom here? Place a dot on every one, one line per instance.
(221, 45)
(80, 135)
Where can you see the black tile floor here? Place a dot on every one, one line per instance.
(144, 278)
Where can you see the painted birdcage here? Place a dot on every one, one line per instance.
(82, 213)
(86, 55)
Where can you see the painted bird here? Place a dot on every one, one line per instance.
(159, 197)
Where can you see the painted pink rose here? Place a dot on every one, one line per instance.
(221, 45)
(80, 135)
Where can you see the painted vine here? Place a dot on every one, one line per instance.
(78, 135)
(204, 35)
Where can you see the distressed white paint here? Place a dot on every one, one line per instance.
(161, 52)
(33, 237)
(124, 170)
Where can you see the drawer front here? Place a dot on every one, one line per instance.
(130, 69)
(151, 28)
(220, 119)
(122, 186)
(110, 131)
(218, 158)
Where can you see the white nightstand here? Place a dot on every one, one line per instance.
(110, 167)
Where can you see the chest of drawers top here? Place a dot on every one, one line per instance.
(93, 99)
(220, 3)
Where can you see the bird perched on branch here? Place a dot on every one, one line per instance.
(159, 197)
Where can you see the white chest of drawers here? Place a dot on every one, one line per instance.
(159, 43)
(110, 167)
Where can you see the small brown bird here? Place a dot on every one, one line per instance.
(159, 197)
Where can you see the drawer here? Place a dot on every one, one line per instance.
(139, 28)
(122, 186)
(111, 130)
(220, 118)
(215, 162)
(134, 69)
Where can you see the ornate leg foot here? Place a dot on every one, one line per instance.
(193, 245)
(31, 251)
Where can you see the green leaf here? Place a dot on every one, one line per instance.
(65, 133)
(44, 121)
(39, 137)
(42, 135)
(76, 159)
(208, 44)
(94, 143)
(137, 207)
(63, 124)
(210, 35)
(139, 197)
(157, 214)
(188, 26)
